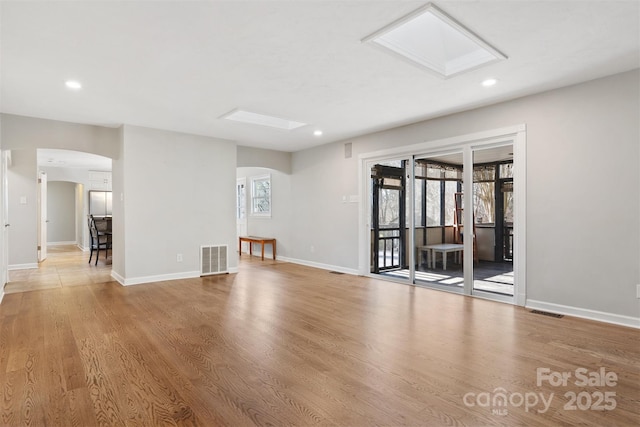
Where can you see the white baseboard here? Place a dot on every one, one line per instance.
(118, 278)
(160, 277)
(319, 265)
(601, 316)
(157, 278)
(71, 242)
(23, 266)
(1, 295)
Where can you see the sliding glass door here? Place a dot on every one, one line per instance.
(446, 219)
(438, 231)
(493, 220)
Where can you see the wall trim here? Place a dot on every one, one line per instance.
(118, 278)
(70, 242)
(1, 295)
(158, 278)
(27, 266)
(600, 316)
(319, 265)
(161, 277)
(444, 143)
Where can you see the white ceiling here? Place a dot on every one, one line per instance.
(181, 65)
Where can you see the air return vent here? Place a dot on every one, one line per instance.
(213, 260)
(546, 313)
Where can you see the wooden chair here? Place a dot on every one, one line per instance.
(99, 240)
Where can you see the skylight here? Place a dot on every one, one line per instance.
(432, 39)
(262, 120)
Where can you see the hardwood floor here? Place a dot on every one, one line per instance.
(282, 344)
(65, 266)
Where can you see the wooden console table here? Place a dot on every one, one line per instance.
(261, 240)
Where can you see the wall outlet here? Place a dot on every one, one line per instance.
(312, 249)
(637, 291)
(179, 258)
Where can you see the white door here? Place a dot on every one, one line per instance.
(241, 207)
(42, 216)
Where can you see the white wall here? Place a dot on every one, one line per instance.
(23, 217)
(22, 134)
(278, 225)
(583, 191)
(258, 157)
(28, 132)
(119, 265)
(61, 205)
(322, 179)
(175, 192)
(82, 226)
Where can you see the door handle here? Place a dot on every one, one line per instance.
(7, 225)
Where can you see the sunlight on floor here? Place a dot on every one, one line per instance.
(65, 266)
(501, 283)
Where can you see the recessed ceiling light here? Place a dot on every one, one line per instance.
(317, 132)
(73, 84)
(489, 82)
(261, 119)
(430, 38)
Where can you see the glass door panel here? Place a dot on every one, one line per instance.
(493, 220)
(437, 239)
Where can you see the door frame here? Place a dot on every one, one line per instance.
(42, 216)
(242, 222)
(393, 173)
(4, 218)
(466, 143)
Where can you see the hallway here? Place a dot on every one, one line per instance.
(65, 266)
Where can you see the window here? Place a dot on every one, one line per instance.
(450, 189)
(261, 195)
(434, 206)
(484, 194)
(418, 203)
(441, 182)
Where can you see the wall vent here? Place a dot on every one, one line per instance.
(213, 260)
(546, 313)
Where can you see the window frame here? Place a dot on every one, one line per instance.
(259, 213)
